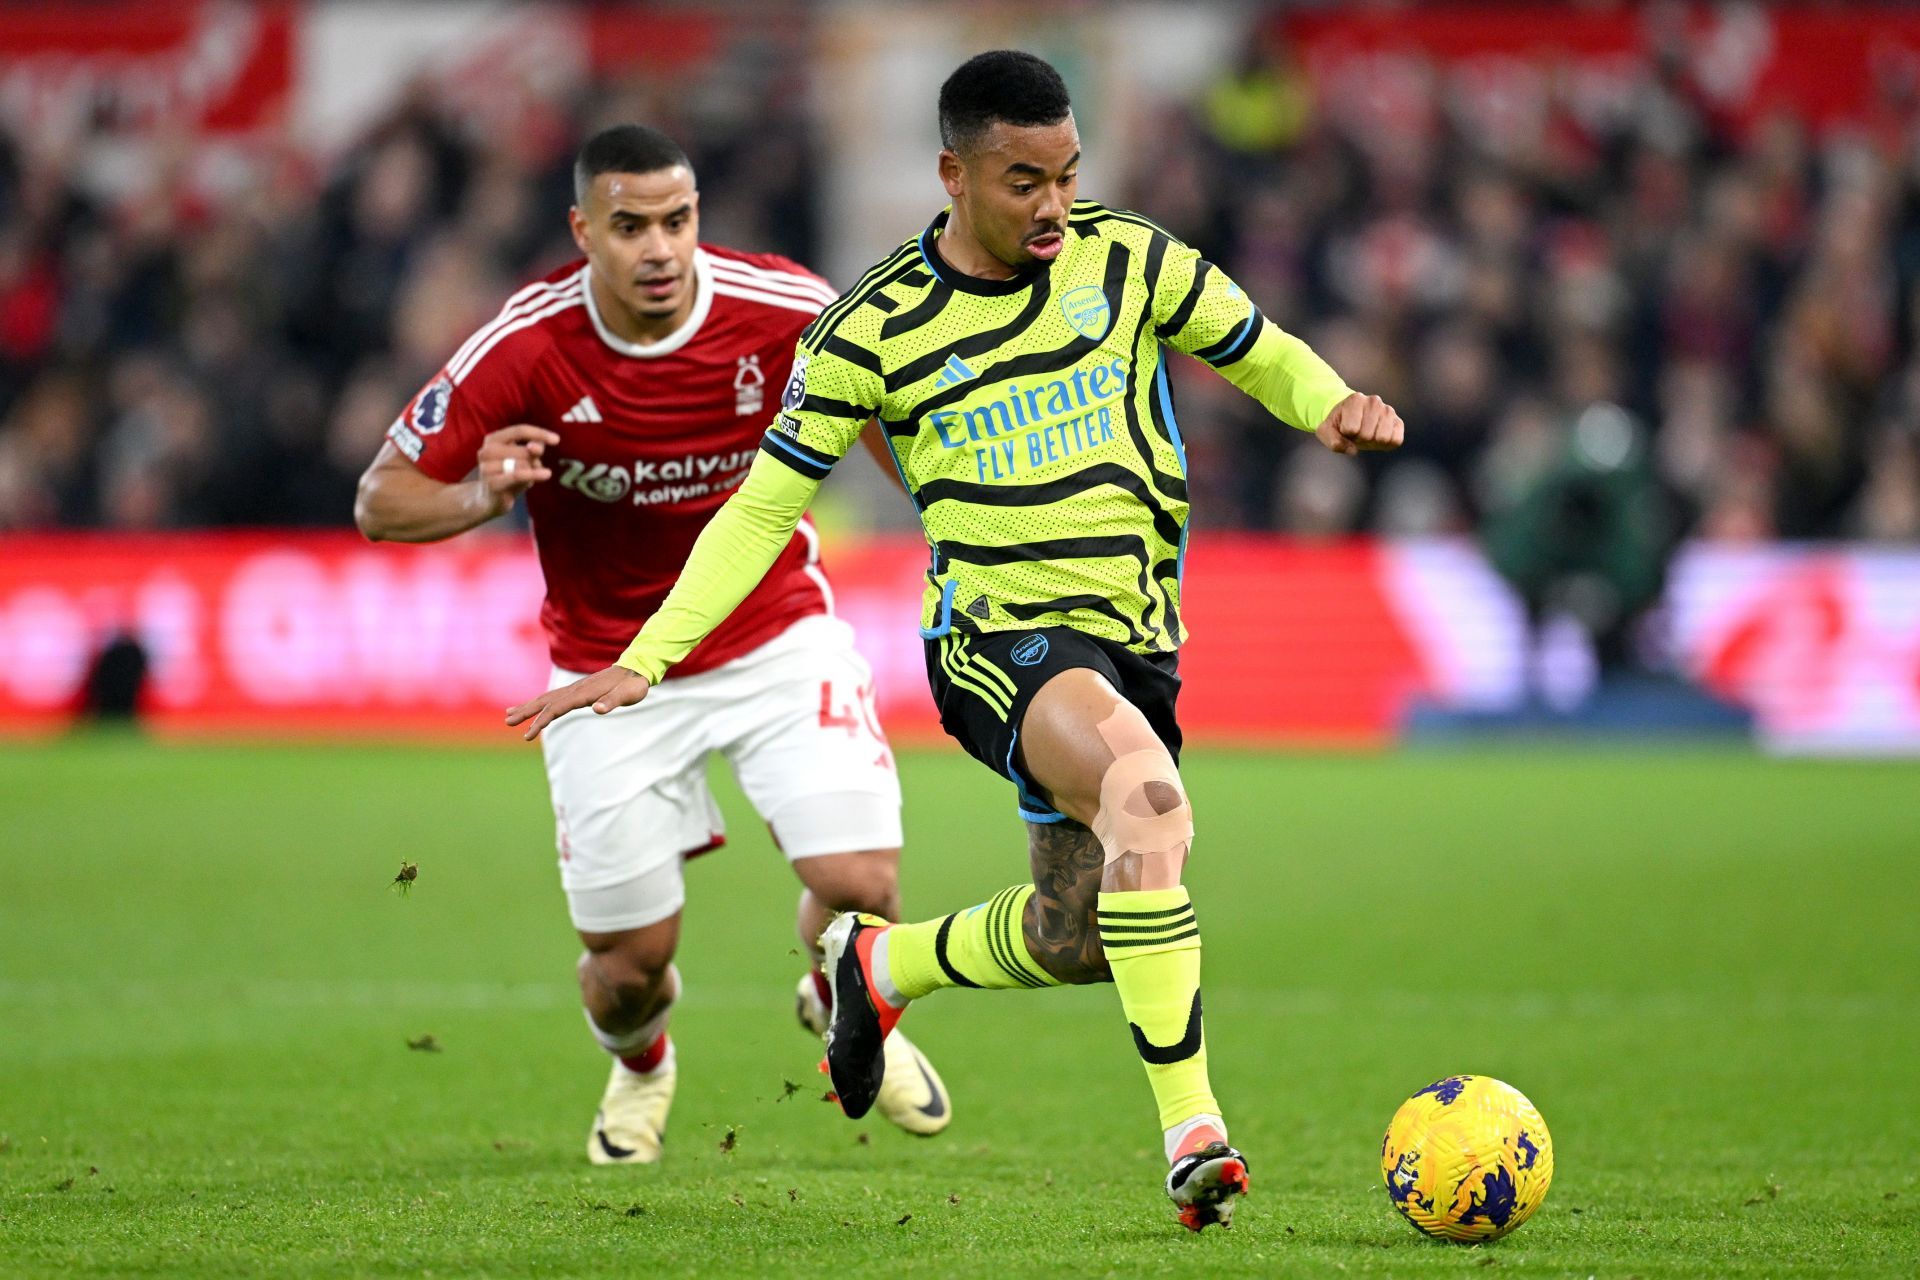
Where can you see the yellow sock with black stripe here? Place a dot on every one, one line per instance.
(1152, 942)
(982, 946)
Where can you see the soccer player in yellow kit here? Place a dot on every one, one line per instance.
(1013, 353)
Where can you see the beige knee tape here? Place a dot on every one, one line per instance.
(1128, 820)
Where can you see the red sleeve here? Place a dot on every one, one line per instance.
(482, 389)
(782, 327)
(775, 262)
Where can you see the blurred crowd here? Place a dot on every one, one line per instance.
(1726, 312)
(170, 359)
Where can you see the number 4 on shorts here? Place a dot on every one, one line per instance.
(836, 719)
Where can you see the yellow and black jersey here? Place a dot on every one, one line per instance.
(1032, 421)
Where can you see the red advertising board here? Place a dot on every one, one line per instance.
(220, 67)
(320, 633)
(1497, 62)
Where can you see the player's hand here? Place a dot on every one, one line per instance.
(603, 691)
(1361, 424)
(510, 461)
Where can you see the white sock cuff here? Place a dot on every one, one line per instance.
(1177, 1135)
(632, 1042)
(882, 974)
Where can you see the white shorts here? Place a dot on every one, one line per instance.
(795, 718)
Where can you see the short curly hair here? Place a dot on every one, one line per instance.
(1004, 85)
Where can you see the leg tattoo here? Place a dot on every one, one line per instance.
(1059, 922)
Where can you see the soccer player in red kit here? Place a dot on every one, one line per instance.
(625, 396)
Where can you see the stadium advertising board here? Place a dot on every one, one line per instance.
(275, 634)
(217, 67)
(1501, 64)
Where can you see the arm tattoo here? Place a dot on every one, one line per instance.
(1059, 922)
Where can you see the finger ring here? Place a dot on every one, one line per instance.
(506, 468)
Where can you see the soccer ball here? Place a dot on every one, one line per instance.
(1467, 1158)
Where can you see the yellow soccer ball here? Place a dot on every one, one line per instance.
(1467, 1158)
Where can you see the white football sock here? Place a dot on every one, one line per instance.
(883, 975)
(1177, 1135)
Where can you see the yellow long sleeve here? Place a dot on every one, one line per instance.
(728, 560)
(1285, 375)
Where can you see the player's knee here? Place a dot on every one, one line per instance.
(867, 881)
(1144, 810)
(877, 890)
(1157, 796)
(635, 974)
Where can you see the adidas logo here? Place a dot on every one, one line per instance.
(956, 371)
(981, 608)
(585, 411)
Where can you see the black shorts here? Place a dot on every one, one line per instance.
(983, 683)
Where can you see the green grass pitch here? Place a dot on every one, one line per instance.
(1702, 967)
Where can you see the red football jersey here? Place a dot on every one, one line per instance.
(652, 440)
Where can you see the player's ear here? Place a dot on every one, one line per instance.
(577, 223)
(953, 173)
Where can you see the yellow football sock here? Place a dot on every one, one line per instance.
(1152, 943)
(982, 946)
